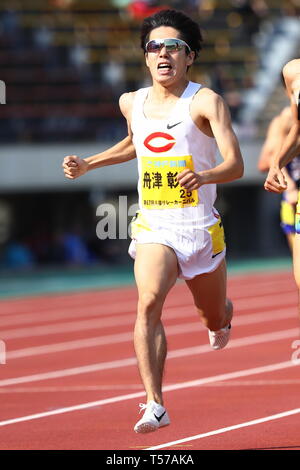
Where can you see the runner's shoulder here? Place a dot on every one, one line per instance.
(208, 96)
(126, 102)
(208, 100)
(292, 67)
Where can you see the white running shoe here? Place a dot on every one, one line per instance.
(218, 339)
(155, 417)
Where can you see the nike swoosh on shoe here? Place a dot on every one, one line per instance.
(159, 417)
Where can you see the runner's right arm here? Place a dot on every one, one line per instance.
(291, 74)
(123, 151)
(277, 132)
(271, 145)
(275, 181)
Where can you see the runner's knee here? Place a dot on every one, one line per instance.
(150, 305)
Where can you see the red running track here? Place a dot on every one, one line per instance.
(71, 382)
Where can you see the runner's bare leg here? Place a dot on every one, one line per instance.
(156, 271)
(209, 292)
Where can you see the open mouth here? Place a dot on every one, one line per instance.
(164, 66)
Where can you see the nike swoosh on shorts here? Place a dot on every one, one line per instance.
(213, 256)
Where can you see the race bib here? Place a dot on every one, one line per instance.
(159, 186)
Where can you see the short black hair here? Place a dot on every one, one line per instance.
(189, 30)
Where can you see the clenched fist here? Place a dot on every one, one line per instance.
(189, 180)
(275, 181)
(74, 167)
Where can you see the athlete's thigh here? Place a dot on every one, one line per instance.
(296, 259)
(209, 290)
(155, 268)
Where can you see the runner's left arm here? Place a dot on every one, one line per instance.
(232, 167)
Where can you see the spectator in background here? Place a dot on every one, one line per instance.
(44, 42)
(138, 9)
(223, 83)
(252, 13)
(114, 72)
(70, 247)
(74, 249)
(11, 24)
(291, 8)
(18, 256)
(43, 35)
(79, 53)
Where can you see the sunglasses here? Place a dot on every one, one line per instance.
(171, 45)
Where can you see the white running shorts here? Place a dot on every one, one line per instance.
(198, 250)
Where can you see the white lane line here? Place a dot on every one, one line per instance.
(167, 388)
(126, 386)
(247, 383)
(98, 322)
(253, 422)
(73, 388)
(90, 324)
(119, 338)
(69, 372)
(240, 304)
(234, 343)
(59, 311)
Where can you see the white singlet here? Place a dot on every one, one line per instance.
(184, 220)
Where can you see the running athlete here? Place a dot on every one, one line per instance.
(275, 181)
(278, 130)
(174, 127)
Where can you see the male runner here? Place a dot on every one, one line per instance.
(174, 127)
(275, 181)
(277, 132)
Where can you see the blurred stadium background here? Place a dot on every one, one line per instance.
(65, 64)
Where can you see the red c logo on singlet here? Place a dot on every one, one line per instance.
(162, 135)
